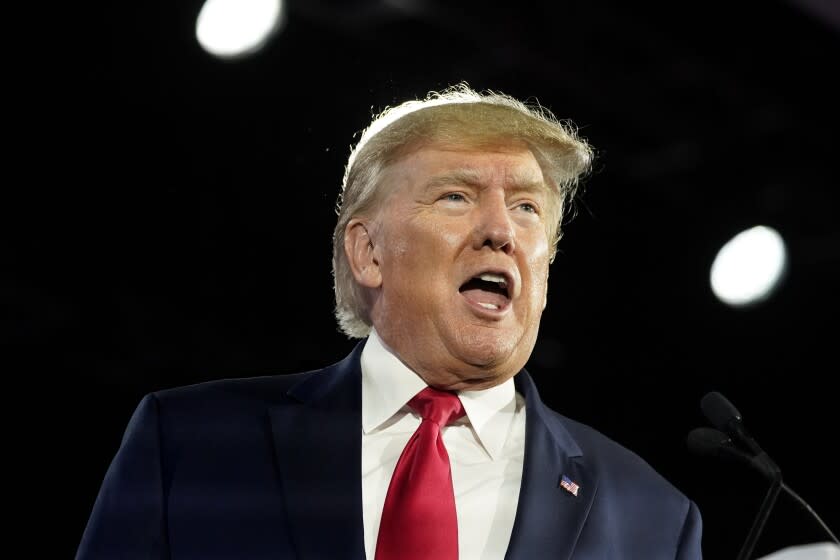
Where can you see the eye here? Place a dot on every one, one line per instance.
(454, 197)
(528, 207)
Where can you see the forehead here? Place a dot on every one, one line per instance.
(511, 165)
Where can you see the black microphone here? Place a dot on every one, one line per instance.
(714, 443)
(707, 441)
(725, 417)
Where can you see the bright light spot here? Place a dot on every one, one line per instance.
(748, 268)
(232, 28)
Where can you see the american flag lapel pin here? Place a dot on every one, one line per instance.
(570, 487)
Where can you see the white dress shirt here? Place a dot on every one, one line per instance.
(486, 449)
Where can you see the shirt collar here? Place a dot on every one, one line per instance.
(491, 413)
(388, 385)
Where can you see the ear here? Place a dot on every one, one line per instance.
(360, 251)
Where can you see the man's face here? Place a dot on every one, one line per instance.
(461, 247)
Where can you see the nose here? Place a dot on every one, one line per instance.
(495, 227)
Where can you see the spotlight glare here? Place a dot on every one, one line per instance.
(748, 268)
(233, 28)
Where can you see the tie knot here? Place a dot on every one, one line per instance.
(441, 407)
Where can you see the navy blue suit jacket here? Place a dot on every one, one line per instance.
(270, 467)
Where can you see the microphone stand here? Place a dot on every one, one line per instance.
(707, 441)
(723, 414)
(761, 519)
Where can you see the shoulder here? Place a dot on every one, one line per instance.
(263, 389)
(632, 503)
(259, 391)
(609, 452)
(619, 469)
(220, 416)
(213, 403)
(229, 402)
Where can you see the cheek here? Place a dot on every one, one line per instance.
(399, 248)
(432, 245)
(450, 234)
(398, 244)
(537, 266)
(540, 291)
(410, 260)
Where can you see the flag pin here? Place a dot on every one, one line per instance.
(571, 487)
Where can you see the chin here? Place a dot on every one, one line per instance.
(489, 350)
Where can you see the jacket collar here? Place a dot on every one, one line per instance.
(549, 518)
(317, 438)
(317, 443)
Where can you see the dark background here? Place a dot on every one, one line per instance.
(182, 229)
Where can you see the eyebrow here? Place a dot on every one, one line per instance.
(472, 178)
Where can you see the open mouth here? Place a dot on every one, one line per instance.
(488, 290)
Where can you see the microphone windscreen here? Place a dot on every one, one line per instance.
(718, 410)
(707, 441)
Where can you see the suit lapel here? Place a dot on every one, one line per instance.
(317, 439)
(549, 518)
(318, 450)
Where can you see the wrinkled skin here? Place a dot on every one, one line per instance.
(451, 213)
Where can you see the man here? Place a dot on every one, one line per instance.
(449, 217)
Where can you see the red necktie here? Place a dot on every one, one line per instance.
(418, 519)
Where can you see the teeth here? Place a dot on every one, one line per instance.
(487, 277)
(488, 305)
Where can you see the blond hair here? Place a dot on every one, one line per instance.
(461, 116)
